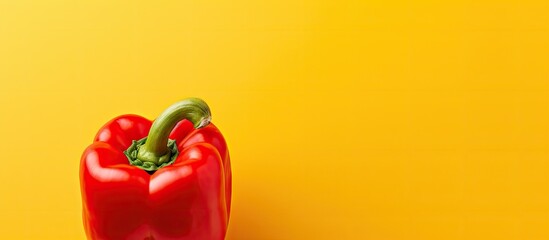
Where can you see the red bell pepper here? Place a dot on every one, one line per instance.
(172, 183)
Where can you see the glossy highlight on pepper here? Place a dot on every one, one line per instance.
(183, 192)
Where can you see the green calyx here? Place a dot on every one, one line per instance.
(164, 160)
(157, 150)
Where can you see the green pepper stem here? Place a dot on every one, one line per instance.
(155, 149)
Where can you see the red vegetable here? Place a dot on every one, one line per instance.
(174, 183)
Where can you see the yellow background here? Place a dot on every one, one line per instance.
(345, 119)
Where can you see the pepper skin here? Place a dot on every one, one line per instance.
(188, 199)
